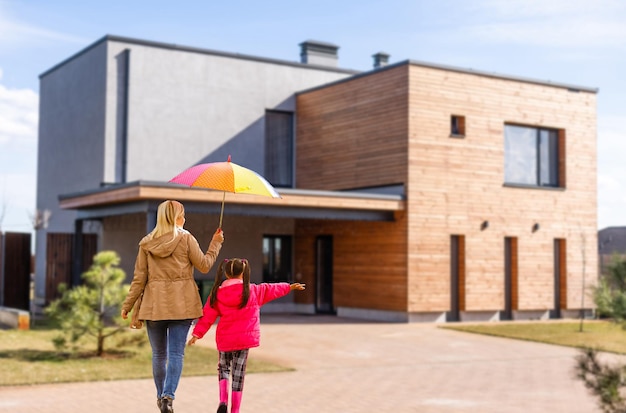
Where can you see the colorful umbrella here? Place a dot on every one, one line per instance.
(228, 177)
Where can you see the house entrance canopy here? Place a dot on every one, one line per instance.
(142, 196)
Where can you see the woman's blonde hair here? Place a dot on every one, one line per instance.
(167, 214)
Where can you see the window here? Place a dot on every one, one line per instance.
(276, 259)
(279, 148)
(457, 126)
(532, 156)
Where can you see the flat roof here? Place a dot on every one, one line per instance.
(357, 73)
(172, 46)
(570, 87)
(143, 196)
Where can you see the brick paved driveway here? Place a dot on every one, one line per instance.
(350, 366)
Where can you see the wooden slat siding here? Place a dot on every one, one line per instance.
(353, 134)
(59, 249)
(562, 274)
(369, 263)
(90, 248)
(58, 263)
(454, 184)
(17, 270)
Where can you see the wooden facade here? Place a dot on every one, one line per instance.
(391, 127)
(59, 260)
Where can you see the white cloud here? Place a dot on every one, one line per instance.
(18, 156)
(554, 23)
(15, 33)
(18, 116)
(542, 8)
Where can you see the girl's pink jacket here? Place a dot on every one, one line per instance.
(238, 328)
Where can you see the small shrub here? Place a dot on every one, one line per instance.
(91, 310)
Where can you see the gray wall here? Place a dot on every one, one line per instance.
(186, 108)
(71, 141)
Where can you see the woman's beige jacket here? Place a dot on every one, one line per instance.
(164, 274)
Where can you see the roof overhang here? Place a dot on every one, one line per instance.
(142, 196)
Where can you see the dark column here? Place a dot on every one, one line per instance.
(151, 218)
(77, 253)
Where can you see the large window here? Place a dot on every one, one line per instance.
(276, 259)
(532, 156)
(279, 148)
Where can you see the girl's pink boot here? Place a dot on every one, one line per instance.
(236, 401)
(223, 396)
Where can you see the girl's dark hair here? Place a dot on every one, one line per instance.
(231, 268)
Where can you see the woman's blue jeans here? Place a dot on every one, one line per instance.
(168, 339)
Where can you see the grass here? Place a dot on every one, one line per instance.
(599, 334)
(29, 357)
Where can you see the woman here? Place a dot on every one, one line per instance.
(166, 295)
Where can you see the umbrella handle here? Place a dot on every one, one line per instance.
(222, 211)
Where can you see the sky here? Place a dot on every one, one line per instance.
(578, 42)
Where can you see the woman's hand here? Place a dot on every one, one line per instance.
(219, 235)
(124, 314)
(192, 340)
(297, 286)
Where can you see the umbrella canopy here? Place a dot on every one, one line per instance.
(228, 177)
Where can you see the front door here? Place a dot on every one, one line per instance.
(457, 277)
(324, 274)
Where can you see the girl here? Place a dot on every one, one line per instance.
(237, 302)
(164, 278)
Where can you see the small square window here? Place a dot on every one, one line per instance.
(457, 126)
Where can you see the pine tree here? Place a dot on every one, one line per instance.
(607, 382)
(93, 308)
(610, 293)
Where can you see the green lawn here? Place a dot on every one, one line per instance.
(601, 335)
(29, 357)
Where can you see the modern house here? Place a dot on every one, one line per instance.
(410, 192)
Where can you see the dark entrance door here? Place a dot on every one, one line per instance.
(510, 278)
(324, 274)
(457, 277)
(560, 278)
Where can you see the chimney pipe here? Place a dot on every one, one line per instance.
(381, 59)
(318, 53)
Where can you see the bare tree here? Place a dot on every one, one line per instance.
(3, 208)
(40, 219)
